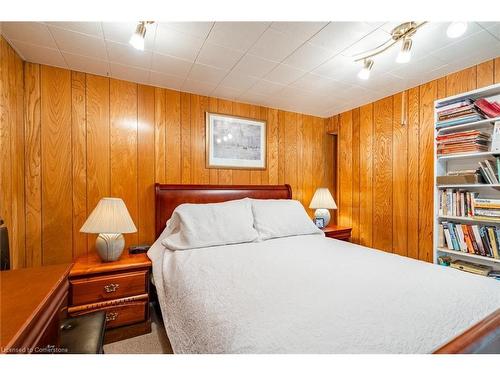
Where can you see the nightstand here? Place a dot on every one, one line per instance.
(340, 233)
(120, 289)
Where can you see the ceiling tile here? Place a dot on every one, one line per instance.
(481, 43)
(299, 30)
(264, 87)
(254, 66)
(338, 68)
(122, 31)
(129, 73)
(175, 43)
(284, 74)
(370, 41)
(416, 68)
(40, 55)
(196, 29)
(337, 36)
(126, 55)
(276, 45)
(226, 92)
(237, 35)
(238, 81)
(166, 80)
(492, 27)
(308, 57)
(170, 65)
(313, 82)
(89, 28)
(220, 57)
(197, 87)
(29, 32)
(206, 73)
(79, 44)
(432, 37)
(86, 64)
(253, 98)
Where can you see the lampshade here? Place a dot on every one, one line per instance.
(109, 216)
(323, 199)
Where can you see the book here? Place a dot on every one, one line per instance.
(493, 242)
(487, 212)
(477, 237)
(460, 236)
(492, 169)
(495, 137)
(477, 269)
(447, 235)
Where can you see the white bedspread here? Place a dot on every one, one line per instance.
(311, 294)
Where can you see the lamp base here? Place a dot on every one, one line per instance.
(110, 246)
(324, 214)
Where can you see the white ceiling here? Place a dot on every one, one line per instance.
(298, 66)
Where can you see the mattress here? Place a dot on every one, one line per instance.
(311, 294)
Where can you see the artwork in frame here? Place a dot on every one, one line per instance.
(235, 142)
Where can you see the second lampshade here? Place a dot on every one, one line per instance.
(110, 219)
(322, 201)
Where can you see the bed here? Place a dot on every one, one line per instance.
(307, 293)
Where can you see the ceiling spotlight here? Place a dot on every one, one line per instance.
(137, 39)
(404, 54)
(456, 29)
(364, 73)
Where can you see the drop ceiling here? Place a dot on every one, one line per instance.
(298, 66)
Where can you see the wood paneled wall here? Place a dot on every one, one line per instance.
(12, 204)
(88, 136)
(386, 169)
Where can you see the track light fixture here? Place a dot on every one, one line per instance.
(456, 29)
(403, 33)
(137, 39)
(364, 73)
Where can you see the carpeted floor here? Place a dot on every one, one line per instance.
(155, 342)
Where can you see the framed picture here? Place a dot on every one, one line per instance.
(235, 142)
(320, 222)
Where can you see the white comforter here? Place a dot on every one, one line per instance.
(311, 294)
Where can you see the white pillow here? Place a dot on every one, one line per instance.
(281, 218)
(212, 224)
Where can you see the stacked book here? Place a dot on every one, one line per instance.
(456, 112)
(473, 239)
(486, 207)
(489, 107)
(466, 141)
(456, 203)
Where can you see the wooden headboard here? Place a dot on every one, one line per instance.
(168, 197)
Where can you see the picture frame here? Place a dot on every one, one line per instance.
(319, 222)
(234, 142)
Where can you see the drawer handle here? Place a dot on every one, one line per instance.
(110, 288)
(111, 316)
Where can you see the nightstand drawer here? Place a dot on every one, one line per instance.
(103, 288)
(129, 313)
(120, 314)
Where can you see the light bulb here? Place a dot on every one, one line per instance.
(137, 38)
(456, 29)
(137, 42)
(364, 73)
(404, 54)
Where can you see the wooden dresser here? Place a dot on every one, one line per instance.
(33, 303)
(120, 288)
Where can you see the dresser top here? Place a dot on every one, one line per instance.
(25, 294)
(92, 264)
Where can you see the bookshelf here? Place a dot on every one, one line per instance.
(464, 161)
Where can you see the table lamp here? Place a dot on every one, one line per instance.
(109, 219)
(322, 201)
